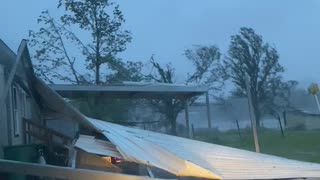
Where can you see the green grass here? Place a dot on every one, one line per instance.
(299, 145)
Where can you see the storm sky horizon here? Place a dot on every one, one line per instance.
(166, 28)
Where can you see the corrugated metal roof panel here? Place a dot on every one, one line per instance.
(227, 163)
(136, 149)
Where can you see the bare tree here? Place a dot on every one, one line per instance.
(208, 72)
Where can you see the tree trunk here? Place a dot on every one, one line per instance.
(258, 117)
(255, 104)
(97, 81)
(173, 122)
(172, 117)
(98, 59)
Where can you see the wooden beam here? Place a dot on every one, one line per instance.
(252, 116)
(150, 172)
(74, 159)
(187, 117)
(56, 133)
(193, 132)
(34, 169)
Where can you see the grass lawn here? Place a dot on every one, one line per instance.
(299, 145)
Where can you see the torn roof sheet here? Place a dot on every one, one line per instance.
(136, 149)
(185, 157)
(96, 146)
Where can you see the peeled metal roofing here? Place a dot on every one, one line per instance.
(96, 146)
(223, 162)
(184, 157)
(135, 149)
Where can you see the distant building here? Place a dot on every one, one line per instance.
(224, 115)
(302, 120)
(305, 114)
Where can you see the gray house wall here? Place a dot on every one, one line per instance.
(3, 116)
(27, 107)
(11, 117)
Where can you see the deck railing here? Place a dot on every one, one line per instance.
(41, 133)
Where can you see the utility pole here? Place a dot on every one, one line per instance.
(208, 110)
(317, 101)
(252, 116)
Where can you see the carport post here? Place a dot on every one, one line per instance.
(208, 110)
(187, 116)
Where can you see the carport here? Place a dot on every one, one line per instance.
(133, 90)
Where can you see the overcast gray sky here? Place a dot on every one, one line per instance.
(167, 27)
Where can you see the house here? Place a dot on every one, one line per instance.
(24, 117)
(17, 99)
(302, 120)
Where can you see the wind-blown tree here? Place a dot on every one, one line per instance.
(60, 55)
(207, 72)
(102, 20)
(250, 57)
(208, 69)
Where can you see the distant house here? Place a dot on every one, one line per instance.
(300, 120)
(223, 115)
(305, 114)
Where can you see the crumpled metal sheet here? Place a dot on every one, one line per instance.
(135, 148)
(185, 157)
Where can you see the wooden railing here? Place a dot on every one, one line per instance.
(43, 134)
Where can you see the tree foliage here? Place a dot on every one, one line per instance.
(51, 56)
(250, 57)
(206, 62)
(208, 69)
(105, 28)
(102, 20)
(60, 55)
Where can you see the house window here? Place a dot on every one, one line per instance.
(27, 107)
(16, 113)
(23, 103)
